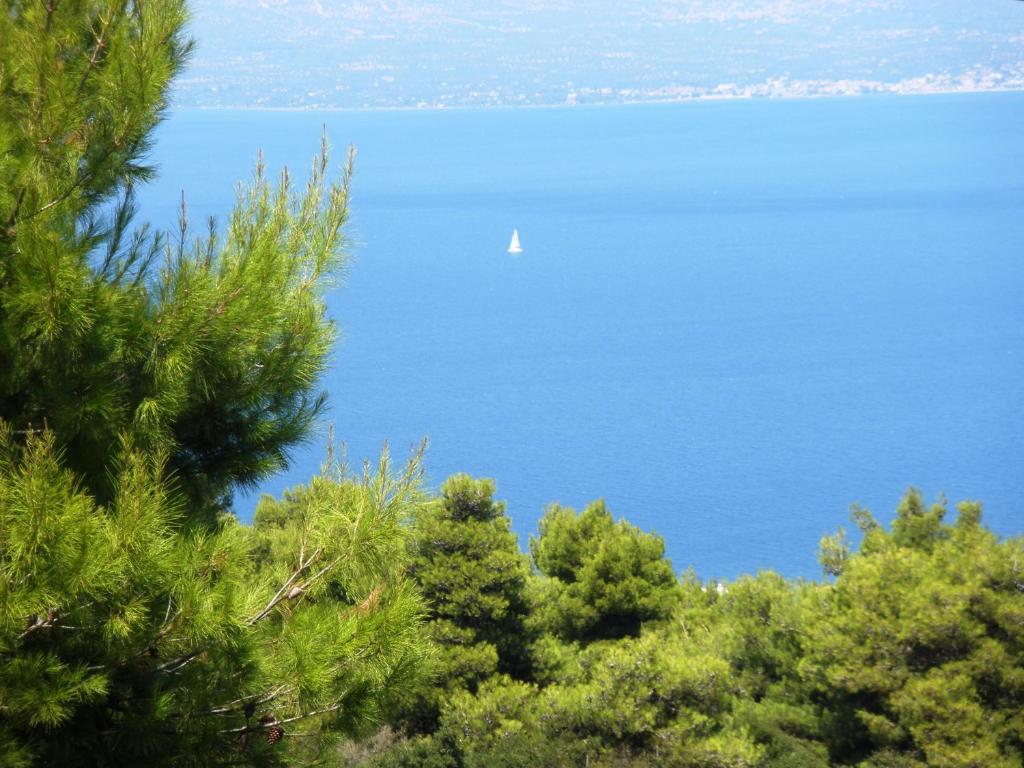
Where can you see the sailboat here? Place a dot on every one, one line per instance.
(514, 246)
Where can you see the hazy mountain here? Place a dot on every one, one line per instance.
(327, 53)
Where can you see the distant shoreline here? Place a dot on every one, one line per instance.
(705, 97)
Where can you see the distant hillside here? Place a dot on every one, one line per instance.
(408, 53)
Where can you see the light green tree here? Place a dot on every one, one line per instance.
(918, 651)
(602, 579)
(204, 349)
(143, 380)
(759, 626)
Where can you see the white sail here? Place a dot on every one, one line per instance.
(514, 246)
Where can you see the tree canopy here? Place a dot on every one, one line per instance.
(145, 378)
(468, 566)
(911, 655)
(204, 349)
(604, 578)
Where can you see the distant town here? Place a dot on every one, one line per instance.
(317, 54)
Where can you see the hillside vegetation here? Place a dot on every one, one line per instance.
(911, 654)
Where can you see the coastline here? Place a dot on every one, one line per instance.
(695, 99)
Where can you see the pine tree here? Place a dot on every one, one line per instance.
(467, 563)
(603, 579)
(204, 348)
(144, 379)
(918, 651)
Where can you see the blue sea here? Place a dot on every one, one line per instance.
(731, 320)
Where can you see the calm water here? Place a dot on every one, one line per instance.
(731, 320)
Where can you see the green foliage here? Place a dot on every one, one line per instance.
(919, 650)
(556, 661)
(758, 626)
(124, 639)
(204, 350)
(643, 692)
(604, 578)
(501, 725)
(762, 630)
(144, 379)
(652, 700)
(466, 561)
(833, 553)
(787, 728)
(418, 752)
(911, 657)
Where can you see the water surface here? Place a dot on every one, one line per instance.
(731, 320)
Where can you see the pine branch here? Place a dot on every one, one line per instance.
(324, 711)
(123, 214)
(174, 665)
(17, 209)
(53, 618)
(100, 44)
(287, 588)
(51, 8)
(255, 700)
(288, 591)
(36, 623)
(275, 722)
(82, 178)
(37, 107)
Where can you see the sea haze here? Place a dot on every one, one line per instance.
(731, 319)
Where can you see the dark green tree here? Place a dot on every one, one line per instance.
(143, 380)
(604, 578)
(467, 563)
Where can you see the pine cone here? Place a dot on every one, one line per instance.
(274, 731)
